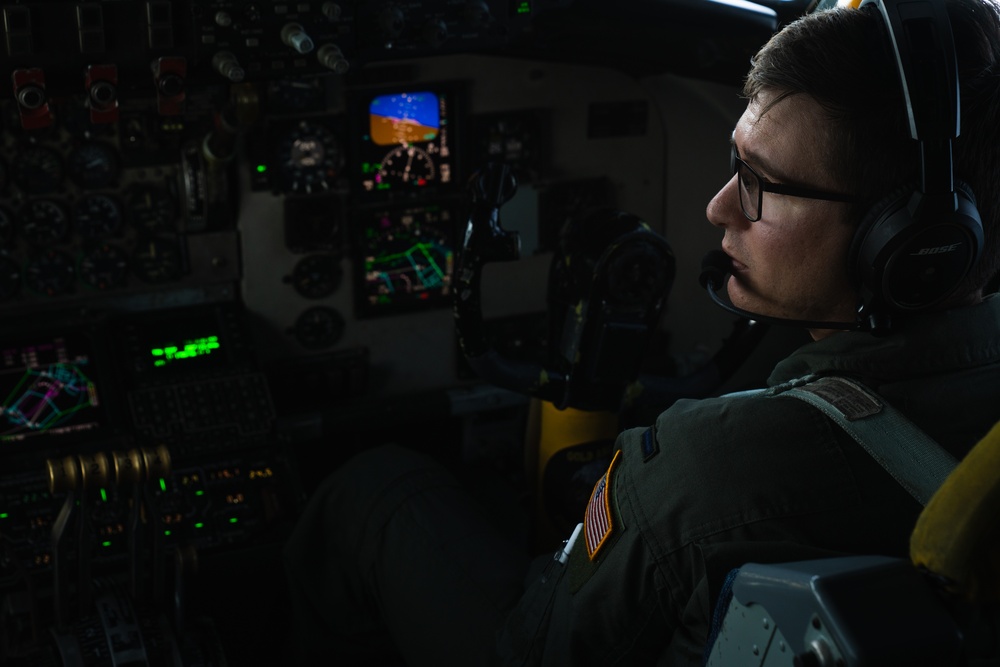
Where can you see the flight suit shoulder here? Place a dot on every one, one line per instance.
(716, 464)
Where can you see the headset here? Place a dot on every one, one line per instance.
(915, 246)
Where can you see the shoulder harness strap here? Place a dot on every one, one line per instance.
(916, 461)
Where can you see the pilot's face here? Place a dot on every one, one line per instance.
(792, 263)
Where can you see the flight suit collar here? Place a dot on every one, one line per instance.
(932, 343)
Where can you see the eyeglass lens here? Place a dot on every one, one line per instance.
(749, 186)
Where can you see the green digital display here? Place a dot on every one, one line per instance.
(194, 348)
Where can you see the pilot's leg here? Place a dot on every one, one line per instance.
(391, 545)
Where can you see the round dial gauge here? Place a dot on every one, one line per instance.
(151, 208)
(156, 261)
(50, 273)
(407, 164)
(37, 170)
(105, 267)
(93, 165)
(97, 216)
(319, 327)
(317, 276)
(309, 158)
(43, 222)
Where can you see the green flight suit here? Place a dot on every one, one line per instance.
(713, 484)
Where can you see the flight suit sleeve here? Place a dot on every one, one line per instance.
(607, 604)
(684, 499)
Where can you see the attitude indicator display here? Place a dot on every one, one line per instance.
(406, 142)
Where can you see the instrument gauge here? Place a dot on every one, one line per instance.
(316, 276)
(38, 170)
(50, 273)
(104, 268)
(319, 327)
(408, 165)
(97, 216)
(150, 208)
(43, 222)
(93, 165)
(309, 157)
(157, 261)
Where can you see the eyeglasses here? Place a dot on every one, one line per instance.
(753, 186)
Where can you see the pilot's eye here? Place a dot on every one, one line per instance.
(748, 180)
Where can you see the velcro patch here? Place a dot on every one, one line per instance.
(849, 397)
(650, 445)
(597, 522)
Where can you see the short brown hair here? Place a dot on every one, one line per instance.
(842, 58)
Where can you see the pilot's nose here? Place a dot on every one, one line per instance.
(724, 208)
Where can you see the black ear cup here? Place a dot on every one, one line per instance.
(912, 250)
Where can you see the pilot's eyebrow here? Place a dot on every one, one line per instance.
(761, 164)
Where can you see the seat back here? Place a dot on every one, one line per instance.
(940, 608)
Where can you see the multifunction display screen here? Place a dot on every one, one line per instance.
(407, 259)
(48, 387)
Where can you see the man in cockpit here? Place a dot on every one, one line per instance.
(390, 548)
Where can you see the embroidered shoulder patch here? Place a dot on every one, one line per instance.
(597, 522)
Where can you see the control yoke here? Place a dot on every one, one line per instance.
(608, 284)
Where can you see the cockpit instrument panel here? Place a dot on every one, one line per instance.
(407, 141)
(309, 157)
(48, 387)
(407, 255)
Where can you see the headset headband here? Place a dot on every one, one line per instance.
(920, 33)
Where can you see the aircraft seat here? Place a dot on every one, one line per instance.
(941, 607)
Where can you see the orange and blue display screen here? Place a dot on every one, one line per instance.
(404, 118)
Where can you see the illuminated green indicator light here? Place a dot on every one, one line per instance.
(104, 495)
(524, 7)
(233, 520)
(105, 544)
(3, 515)
(167, 533)
(163, 484)
(199, 493)
(189, 349)
(199, 525)
(261, 168)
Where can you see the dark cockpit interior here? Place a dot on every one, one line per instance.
(241, 240)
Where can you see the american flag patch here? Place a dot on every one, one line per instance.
(597, 520)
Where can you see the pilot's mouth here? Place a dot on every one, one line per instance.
(736, 265)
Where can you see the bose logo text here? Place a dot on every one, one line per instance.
(935, 251)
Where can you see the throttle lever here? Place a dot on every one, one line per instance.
(129, 475)
(94, 476)
(157, 464)
(64, 476)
